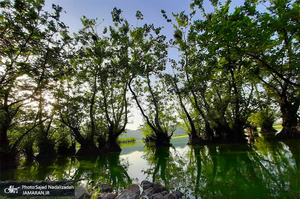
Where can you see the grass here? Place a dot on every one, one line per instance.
(277, 127)
(180, 136)
(126, 140)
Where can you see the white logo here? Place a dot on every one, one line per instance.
(11, 189)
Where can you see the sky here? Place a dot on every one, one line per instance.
(101, 9)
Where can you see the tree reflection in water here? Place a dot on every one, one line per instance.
(109, 169)
(264, 170)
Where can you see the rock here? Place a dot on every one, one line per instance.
(108, 196)
(100, 195)
(169, 196)
(127, 194)
(164, 193)
(158, 188)
(148, 192)
(146, 184)
(81, 193)
(178, 194)
(135, 188)
(157, 196)
(105, 188)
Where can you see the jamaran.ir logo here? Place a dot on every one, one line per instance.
(11, 189)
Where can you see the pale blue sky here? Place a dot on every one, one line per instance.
(151, 9)
(102, 9)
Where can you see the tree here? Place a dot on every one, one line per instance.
(274, 39)
(99, 90)
(212, 76)
(28, 34)
(149, 52)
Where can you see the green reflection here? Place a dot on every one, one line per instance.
(109, 169)
(264, 170)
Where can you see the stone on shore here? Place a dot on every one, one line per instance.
(81, 193)
(107, 196)
(127, 194)
(105, 188)
(135, 188)
(146, 184)
(169, 196)
(158, 188)
(148, 192)
(157, 196)
(178, 194)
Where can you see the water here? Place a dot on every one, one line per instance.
(263, 170)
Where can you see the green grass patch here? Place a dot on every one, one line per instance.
(126, 140)
(180, 136)
(277, 127)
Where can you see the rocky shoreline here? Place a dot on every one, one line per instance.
(147, 190)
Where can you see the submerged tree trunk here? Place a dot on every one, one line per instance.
(290, 124)
(111, 144)
(160, 137)
(7, 154)
(28, 150)
(46, 145)
(226, 134)
(87, 146)
(267, 127)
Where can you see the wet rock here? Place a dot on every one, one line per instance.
(148, 192)
(146, 184)
(105, 188)
(99, 195)
(178, 194)
(170, 196)
(157, 196)
(135, 188)
(127, 194)
(81, 193)
(158, 188)
(164, 193)
(107, 196)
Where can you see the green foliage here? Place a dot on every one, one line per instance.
(231, 64)
(147, 131)
(265, 117)
(32, 46)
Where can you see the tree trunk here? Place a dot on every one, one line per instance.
(162, 139)
(4, 143)
(88, 148)
(225, 134)
(47, 150)
(291, 129)
(8, 156)
(267, 127)
(112, 145)
(194, 139)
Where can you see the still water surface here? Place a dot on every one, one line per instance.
(263, 170)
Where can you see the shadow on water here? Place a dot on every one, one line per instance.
(266, 169)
